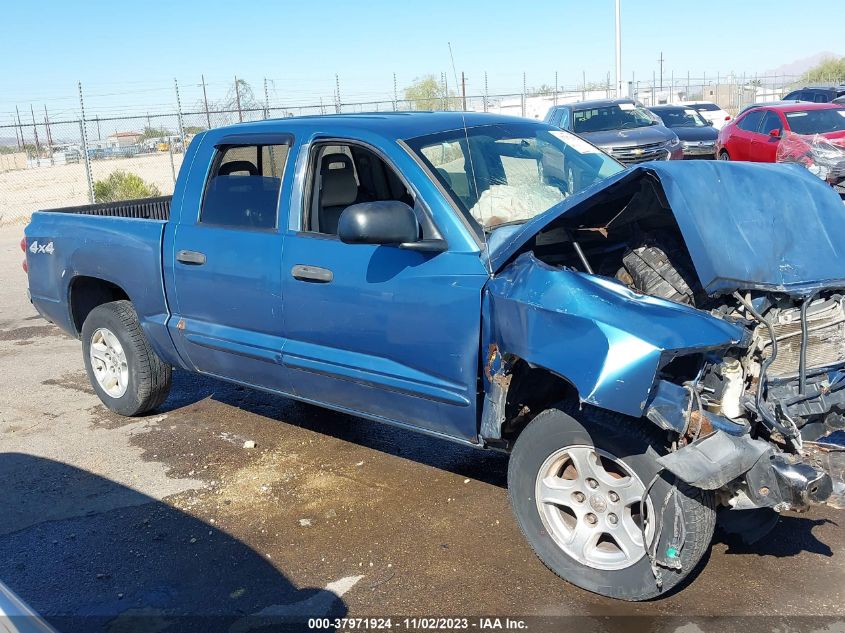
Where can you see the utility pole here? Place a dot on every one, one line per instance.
(266, 100)
(47, 126)
(179, 113)
(205, 101)
(464, 91)
(660, 61)
(395, 94)
(555, 87)
(49, 135)
(486, 95)
(20, 127)
(524, 93)
(337, 93)
(17, 136)
(618, 50)
(83, 130)
(238, 100)
(35, 133)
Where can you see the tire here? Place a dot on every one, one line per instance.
(140, 381)
(606, 569)
(723, 155)
(652, 272)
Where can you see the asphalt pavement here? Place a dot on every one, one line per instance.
(168, 523)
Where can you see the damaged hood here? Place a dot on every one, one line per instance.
(746, 225)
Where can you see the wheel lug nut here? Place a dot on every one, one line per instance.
(613, 496)
(591, 518)
(612, 519)
(592, 483)
(579, 497)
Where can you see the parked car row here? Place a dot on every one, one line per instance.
(632, 134)
(810, 120)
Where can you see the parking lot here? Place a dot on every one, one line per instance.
(106, 518)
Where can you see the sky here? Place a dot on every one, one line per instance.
(127, 54)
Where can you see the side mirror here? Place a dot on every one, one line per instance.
(388, 222)
(774, 133)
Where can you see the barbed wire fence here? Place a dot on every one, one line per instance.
(47, 163)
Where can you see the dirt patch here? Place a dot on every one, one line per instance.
(29, 332)
(77, 381)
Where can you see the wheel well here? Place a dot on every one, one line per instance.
(532, 390)
(86, 293)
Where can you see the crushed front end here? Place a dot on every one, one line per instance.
(760, 419)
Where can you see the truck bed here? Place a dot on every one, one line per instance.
(157, 208)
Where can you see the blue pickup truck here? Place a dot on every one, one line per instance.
(647, 343)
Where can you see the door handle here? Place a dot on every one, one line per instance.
(313, 274)
(194, 258)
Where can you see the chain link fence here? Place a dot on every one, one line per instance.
(48, 164)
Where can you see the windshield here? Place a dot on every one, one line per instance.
(504, 173)
(611, 117)
(816, 121)
(680, 117)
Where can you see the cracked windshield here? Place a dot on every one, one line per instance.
(499, 174)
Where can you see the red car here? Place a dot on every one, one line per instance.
(756, 133)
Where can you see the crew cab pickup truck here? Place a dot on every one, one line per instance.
(646, 343)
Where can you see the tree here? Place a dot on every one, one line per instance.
(121, 185)
(829, 70)
(153, 132)
(244, 94)
(542, 90)
(427, 93)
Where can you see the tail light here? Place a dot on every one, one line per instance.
(24, 265)
(728, 118)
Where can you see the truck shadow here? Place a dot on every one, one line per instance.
(487, 466)
(89, 554)
(791, 536)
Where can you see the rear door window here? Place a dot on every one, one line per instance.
(243, 188)
(751, 121)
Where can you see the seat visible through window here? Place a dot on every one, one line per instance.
(346, 175)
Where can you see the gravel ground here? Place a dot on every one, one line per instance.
(108, 523)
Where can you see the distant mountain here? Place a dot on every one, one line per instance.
(800, 66)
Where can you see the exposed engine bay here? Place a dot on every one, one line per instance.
(783, 384)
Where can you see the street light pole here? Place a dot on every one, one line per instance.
(618, 50)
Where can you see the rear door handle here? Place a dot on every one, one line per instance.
(314, 274)
(195, 258)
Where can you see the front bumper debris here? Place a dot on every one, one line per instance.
(773, 479)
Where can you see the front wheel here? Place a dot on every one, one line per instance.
(126, 373)
(585, 493)
(723, 155)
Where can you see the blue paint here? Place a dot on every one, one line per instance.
(397, 335)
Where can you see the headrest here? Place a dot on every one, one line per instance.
(332, 162)
(237, 165)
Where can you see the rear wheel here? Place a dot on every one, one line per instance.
(723, 155)
(126, 373)
(586, 492)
